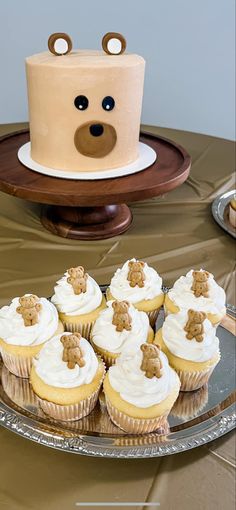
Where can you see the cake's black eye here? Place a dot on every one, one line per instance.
(108, 103)
(81, 102)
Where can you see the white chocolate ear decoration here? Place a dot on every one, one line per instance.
(114, 43)
(59, 43)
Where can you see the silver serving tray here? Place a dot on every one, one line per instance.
(220, 211)
(196, 418)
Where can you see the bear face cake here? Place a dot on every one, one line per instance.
(85, 105)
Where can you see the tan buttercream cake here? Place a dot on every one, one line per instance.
(84, 109)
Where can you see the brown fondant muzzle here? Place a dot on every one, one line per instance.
(95, 139)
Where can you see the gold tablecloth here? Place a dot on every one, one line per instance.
(173, 233)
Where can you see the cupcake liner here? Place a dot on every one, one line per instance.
(153, 316)
(20, 364)
(76, 411)
(98, 421)
(70, 412)
(108, 359)
(135, 425)
(19, 390)
(102, 400)
(17, 365)
(74, 327)
(191, 381)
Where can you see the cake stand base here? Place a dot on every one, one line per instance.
(83, 209)
(87, 222)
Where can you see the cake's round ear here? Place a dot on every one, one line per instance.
(59, 43)
(114, 43)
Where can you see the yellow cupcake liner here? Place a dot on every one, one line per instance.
(19, 358)
(73, 412)
(19, 390)
(108, 358)
(191, 381)
(134, 425)
(17, 365)
(76, 327)
(70, 412)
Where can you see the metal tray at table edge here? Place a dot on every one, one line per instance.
(200, 430)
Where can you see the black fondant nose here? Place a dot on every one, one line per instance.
(96, 129)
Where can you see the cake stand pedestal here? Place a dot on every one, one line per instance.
(92, 209)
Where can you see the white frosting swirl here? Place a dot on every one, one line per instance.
(182, 295)
(175, 339)
(134, 387)
(120, 287)
(12, 328)
(104, 333)
(70, 303)
(55, 372)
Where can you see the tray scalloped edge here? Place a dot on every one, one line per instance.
(220, 426)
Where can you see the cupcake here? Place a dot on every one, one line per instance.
(79, 300)
(67, 376)
(120, 327)
(197, 290)
(189, 340)
(25, 325)
(140, 390)
(232, 212)
(140, 285)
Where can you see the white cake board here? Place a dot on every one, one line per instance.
(147, 156)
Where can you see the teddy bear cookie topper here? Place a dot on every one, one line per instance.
(136, 274)
(121, 318)
(151, 362)
(78, 279)
(72, 352)
(29, 308)
(194, 326)
(200, 285)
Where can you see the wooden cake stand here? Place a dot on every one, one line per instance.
(96, 209)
